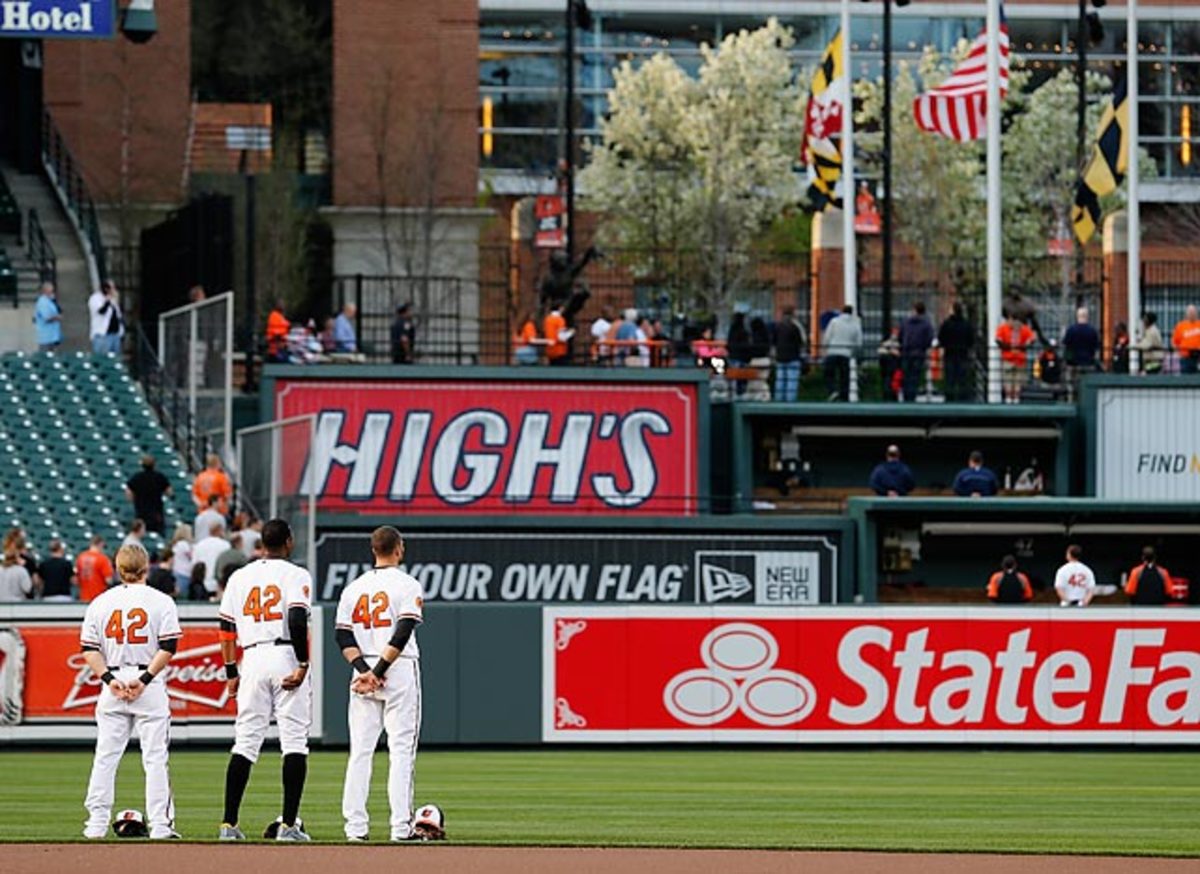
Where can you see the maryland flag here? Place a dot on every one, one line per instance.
(1106, 168)
(821, 149)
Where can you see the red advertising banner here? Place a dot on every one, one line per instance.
(550, 213)
(498, 446)
(938, 675)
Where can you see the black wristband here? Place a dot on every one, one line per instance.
(146, 678)
(231, 671)
(360, 665)
(107, 677)
(381, 667)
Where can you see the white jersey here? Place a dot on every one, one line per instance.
(128, 624)
(372, 605)
(258, 596)
(1074, 581)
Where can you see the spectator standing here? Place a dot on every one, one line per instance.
(212, 482)
(1080, 344)
(404, 335)
(1186, 340)
(1148, 583)
(739, 344)
(975, 480)
(278, 328)
(1009, 585)
(842, 340)
(600, 330)
(891, 375)
(251, 536)
(705, 348)
(94, 570)
(554, 328)
(107, 323)
(1150, 345)
(916, 336)
(789, 355)
(230, 560)
(313, 341)
(136, 534)
(56, 575)
(1075, 583)
(15, 582)
(47, 319)
(196, 294)
(956, 337)
(207, 519)
(206, 552)
(162, 577)
(181, 556)
(146, 489)
(1120, 349)
(644, 333)
(892, 477)
(1014, 338)
(526, 346)
(344, 337)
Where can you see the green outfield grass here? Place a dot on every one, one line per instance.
(1078, 802)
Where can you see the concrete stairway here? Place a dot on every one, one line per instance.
(74, 286)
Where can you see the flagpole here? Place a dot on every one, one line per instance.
(1134, 209)
(994, 215)
(849, 192)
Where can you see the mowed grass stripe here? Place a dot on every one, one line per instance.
(1009, 801)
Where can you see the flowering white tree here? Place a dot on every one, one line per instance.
(703, 164)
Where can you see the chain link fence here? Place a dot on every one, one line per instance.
(272, 484)
(195, 347)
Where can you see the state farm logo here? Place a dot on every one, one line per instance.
(193, 676)
(776, 577)
(739, 675)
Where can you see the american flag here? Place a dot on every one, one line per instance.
(958, 107)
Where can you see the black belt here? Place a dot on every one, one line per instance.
(279, 641)
(120, 667)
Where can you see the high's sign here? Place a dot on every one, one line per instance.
(872, 675)
(495, 447)
(603, 566)
(48, 19)
(1147, 443)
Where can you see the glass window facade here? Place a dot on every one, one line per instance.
(521, 68)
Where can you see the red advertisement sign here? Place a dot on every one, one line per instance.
(550, 214)
(872, 675)
(487, 447)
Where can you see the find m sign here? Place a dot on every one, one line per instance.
(58, 19)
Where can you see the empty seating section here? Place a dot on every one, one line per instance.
(73, 428)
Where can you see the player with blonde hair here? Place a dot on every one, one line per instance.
(129, 634)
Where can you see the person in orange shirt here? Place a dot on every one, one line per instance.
(212, 481)
(1149, 583)
(526, 348)
(93, 570)
(277, 332)
(553, 329)
(1009, 585)
(1014, 338)
(1186, 340)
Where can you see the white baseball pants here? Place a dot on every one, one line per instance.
(116, 721)
(396, 708)
(261, 695)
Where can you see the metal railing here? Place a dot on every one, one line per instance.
(169, 403)
(39, 250)
(64, 173)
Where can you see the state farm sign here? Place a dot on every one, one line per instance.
(487, 447)
(884, 675)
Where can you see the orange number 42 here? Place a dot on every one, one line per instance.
(263, 603)
(369, 616)
(127, 632)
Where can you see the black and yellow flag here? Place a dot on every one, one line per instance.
(822, 152)
(1106, 168)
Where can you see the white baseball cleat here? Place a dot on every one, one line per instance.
(168, 835)
(94, 836)
(230, 833)
(291, 833)
(357, 839)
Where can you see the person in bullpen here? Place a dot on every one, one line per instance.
(975, 480)
(1009, 585)
(892, 478)
(1149, 583)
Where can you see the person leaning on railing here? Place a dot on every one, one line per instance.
(843, 337)
(1150, 345)
(1186, 340)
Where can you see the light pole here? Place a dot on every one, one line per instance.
(886, 229)
(577, 15)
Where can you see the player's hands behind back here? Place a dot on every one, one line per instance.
(365, 684)
(295, 678)
(133, 689)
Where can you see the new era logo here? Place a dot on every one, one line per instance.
(721, 584)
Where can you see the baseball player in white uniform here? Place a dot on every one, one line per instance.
(1075, 583)
(129, 634)
(265, 611)
(376, 621)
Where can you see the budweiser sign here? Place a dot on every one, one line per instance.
(885, 675)
(486, 447)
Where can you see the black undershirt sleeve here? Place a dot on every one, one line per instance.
(345, 638)
(171, 646)
(297, 620)
(226, 625)
(404, 630)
